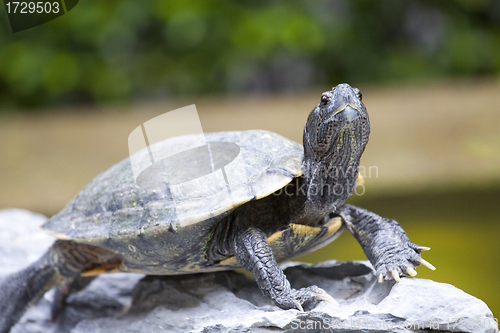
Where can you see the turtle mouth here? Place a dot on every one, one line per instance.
(350, 112)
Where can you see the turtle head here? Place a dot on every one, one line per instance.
(340, 113)
(335, 136)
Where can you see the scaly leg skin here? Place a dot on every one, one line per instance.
(66, 288)
(384, 242)
(253, 253)
(64, 260)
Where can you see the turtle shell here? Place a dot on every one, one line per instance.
(172, 205)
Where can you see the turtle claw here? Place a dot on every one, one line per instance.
(395, 275)
(297, 299)
(322, 295)
(411, 271)
(298, 306)
(381, 278)
(425, 263)
(423, 248)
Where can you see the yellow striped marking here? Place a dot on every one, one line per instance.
(305, 232)
(106, 268)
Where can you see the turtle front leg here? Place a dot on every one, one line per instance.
(384, 242)
(253, 253)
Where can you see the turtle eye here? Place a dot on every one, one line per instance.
(324, 99)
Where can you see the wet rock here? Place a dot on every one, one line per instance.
(231, 301)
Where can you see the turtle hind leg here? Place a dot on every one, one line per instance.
(64, 260)
(18, 291)
(64, 289)
(253, 253)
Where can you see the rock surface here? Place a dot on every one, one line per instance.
(231, 302)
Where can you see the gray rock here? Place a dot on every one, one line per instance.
(231, 301)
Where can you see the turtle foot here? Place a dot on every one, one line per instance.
(297, 299)
(401, 262)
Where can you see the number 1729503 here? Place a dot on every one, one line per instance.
(15, 7)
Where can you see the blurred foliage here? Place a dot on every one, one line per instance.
(118, 50)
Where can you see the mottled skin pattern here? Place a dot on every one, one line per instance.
(114, 225)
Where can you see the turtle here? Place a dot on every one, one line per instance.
(265, 199)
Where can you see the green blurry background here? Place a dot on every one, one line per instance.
(73, 89)
(127, 50)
